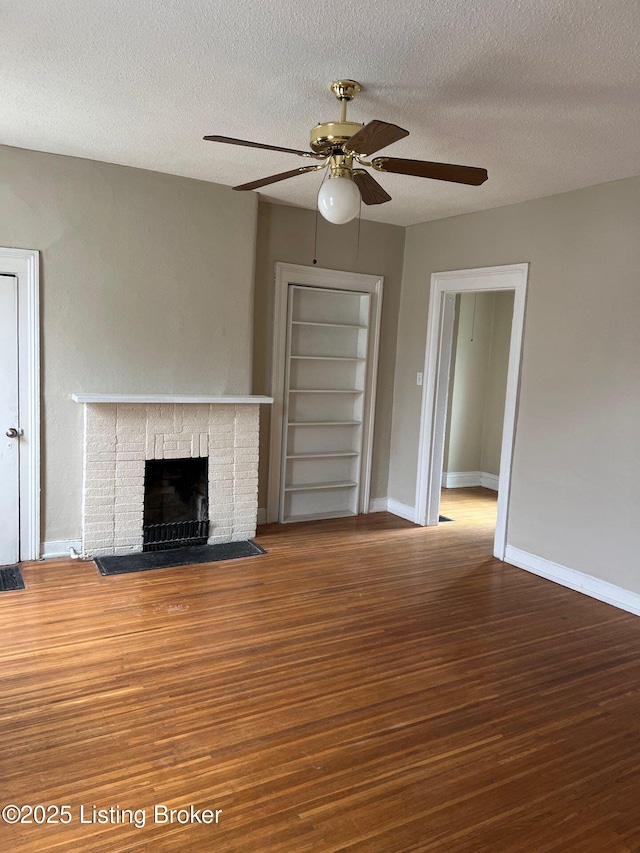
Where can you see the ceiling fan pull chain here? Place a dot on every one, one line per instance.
(473, 320)
(315, 239)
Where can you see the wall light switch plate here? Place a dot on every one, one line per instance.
(418, 378)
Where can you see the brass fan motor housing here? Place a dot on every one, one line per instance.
(332, 134)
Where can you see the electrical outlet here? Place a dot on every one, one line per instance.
(418, 378)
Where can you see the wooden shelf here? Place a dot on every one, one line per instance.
(328, 358)
(323, 423)
(313, 487)
(325, 391)
(330, 325)
(323, 454)
(338, 513)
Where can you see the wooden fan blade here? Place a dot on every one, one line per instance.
(370, 189)
(230, 141)
(273, 179)
(374, 136)
(437, 171)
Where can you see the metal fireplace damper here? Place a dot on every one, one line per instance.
(176, 512)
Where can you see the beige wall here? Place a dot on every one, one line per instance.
(468, 385)
(496, 392)
(478, 382)
(575, 497)
(287, 234)
(468, 382)
(146, 286)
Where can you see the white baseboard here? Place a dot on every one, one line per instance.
(464, 479)
(587, 584)
(60, 548)
(378, 505)
(262, 515)
(403, 510)
(489, 481)
(460, 479)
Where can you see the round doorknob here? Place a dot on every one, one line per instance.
(12, 432)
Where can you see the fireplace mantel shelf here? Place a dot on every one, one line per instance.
(168, 398)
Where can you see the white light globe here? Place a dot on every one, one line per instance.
(339, 200)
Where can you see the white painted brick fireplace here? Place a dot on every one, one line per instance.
(122, 432)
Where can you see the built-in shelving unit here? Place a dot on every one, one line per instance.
(325, 389)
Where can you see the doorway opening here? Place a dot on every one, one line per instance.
(445, 289)
(476, 398)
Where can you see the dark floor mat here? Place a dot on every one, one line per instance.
(147, 560)
(444, 518)
(11, 578)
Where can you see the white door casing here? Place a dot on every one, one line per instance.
(9, 421)
(19, 405)
(447, 323)
(434, 397)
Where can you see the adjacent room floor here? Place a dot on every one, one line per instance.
(367, 685)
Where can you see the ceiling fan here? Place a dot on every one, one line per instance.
(343, 146)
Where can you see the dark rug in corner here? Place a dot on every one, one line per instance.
(11, 578)
(444, 518)
(147, 560)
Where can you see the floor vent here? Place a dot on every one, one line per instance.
(11, 578)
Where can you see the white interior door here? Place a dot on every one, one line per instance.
(9, 422)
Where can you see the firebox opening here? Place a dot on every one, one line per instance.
(176, 511)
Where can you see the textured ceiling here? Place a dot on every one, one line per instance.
(542, 93)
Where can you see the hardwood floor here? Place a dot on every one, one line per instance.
(366, 686)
